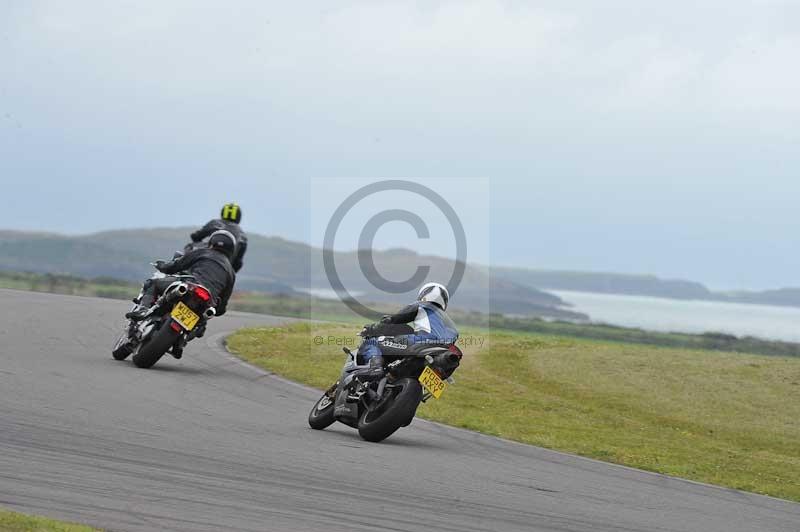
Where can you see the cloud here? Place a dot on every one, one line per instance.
(624, 55)
(620, 113)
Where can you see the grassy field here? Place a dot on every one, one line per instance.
(68, 284)
(14, 522)
(725, 418)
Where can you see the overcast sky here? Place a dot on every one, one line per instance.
(645, 137)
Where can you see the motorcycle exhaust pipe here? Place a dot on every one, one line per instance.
(210, 312)
(175, 293)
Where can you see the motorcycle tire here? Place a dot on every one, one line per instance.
(378, 424)
(154, 348)
(122, 349)
(321, 415)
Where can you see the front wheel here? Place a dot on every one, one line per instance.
(123, 348)
(321, 416)
(380, 420)
(152, 350)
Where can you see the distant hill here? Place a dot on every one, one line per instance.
(276, 265)
(782, 297)
(272, 265)
(641, 285)
(605, 283)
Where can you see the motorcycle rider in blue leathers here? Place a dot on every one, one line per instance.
(424, 321)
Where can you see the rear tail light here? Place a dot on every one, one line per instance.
(202, 293)
(175, 326)
(455, 351)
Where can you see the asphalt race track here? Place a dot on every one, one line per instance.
(208, 443)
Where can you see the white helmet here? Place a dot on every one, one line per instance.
(434, 293)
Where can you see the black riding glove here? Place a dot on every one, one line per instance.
(369, 330)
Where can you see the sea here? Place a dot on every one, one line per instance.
(673, 315)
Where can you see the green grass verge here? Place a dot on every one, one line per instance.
(730, 419)
(68, 284)
(14, 522)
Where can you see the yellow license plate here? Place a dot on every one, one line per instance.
(432, 382)
(185, 316)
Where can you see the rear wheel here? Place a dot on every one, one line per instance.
(321, 416)
(380, 420)
(152, 350)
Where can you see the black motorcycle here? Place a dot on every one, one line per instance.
(378, 407)
(178, 316)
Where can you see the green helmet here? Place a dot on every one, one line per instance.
(231, 212)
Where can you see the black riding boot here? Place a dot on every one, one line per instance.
(148, 298)
(372, 372)
(177, 350)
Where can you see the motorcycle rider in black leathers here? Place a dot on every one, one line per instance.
(230, 217)
(210, 266)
